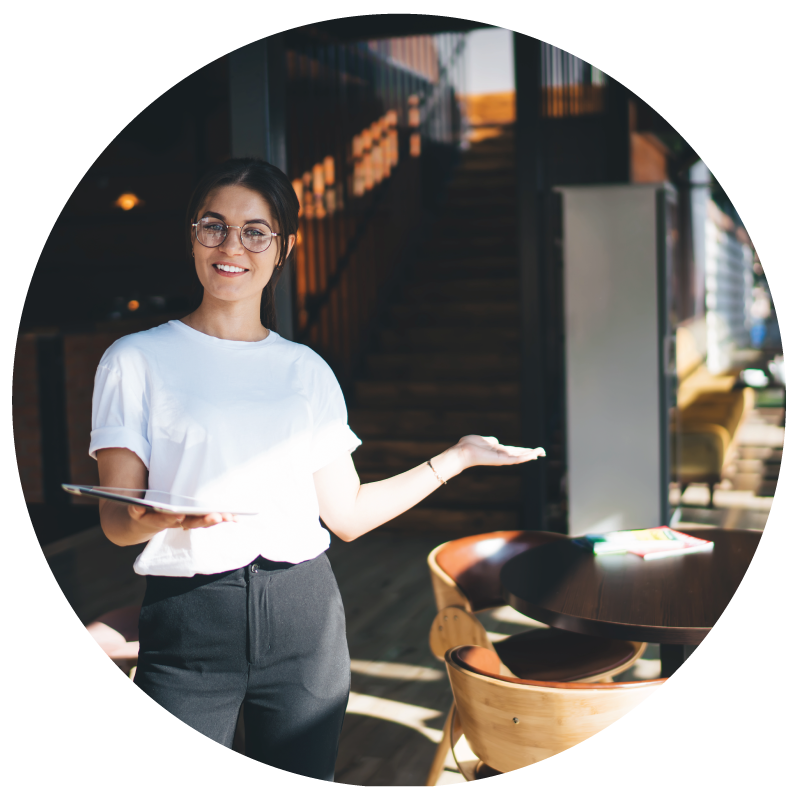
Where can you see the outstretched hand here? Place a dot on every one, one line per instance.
(486, 451)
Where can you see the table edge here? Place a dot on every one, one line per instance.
(610, 630)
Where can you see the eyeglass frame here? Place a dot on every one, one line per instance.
(227, 230)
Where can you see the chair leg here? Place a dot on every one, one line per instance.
(711, 494)
(441, 751)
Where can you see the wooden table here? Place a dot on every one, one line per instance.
(672, 601)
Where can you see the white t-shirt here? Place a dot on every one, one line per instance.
(234, 424)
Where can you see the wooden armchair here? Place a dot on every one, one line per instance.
(117, 632)
(466, 579)
(511, 723)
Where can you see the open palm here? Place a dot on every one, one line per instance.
(487, 451)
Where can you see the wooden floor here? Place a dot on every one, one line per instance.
(400, 692)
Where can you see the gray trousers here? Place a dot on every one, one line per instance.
(268, 638)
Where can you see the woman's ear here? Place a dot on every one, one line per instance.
(289, 246)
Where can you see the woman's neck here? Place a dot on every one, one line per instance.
(228, 321)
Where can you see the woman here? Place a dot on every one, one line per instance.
(216, 406)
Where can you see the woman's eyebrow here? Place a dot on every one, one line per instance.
(247, 222)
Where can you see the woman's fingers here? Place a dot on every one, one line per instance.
(155, 519)
(161, 521)
(208, 520)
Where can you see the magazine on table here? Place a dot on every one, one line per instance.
(647, 543)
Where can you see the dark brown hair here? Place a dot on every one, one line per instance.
(277, 191)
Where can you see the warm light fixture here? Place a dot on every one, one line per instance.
(415, 145)
(329, 168)
(297, 185)
(413, 111)
(127, 201)
(378, 173)
(366, 164)
(318, 185)
(133, 305)
(308, 194)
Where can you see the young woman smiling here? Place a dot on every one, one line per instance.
(217, 406)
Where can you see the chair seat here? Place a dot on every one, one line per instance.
(550, 654)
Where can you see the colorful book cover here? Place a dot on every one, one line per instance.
(647, 543)
(688, 544)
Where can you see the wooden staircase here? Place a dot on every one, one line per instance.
(446, 361)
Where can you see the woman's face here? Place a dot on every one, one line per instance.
(230, 272)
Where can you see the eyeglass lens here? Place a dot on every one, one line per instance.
(213, 232)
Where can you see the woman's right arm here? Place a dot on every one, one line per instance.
(126, 525)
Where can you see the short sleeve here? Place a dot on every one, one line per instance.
(120, 406)
(331, 436)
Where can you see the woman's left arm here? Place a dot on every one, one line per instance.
(351, 510)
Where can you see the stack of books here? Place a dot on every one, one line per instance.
(648, 543)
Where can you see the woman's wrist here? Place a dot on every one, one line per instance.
(448, 464)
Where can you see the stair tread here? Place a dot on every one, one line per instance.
(383, 423)
(453, 523)
(469, 366)
(453, 339)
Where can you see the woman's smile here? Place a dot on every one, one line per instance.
(228, 270)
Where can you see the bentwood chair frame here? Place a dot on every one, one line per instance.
(511, 723)
(544, 654)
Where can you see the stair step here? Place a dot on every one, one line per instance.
(448, 524)
(469, 289)
(458, 225)
(455, 339)
(490, 313)
(397, 454)
(379, 423)
(444, 366)
(483, 184)
(491, 488)
(452, 270)
(495, 162)
(454, 395)
(473, 260)
(479, 242)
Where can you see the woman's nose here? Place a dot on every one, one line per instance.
(232, 243)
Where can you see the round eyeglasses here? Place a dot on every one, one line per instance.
(254, 236)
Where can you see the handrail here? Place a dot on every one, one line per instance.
(359, 116)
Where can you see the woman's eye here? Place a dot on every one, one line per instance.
(213, 227)
(254, 233)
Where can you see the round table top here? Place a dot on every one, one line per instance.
(669, 600)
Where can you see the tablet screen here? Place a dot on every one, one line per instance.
(153, 498)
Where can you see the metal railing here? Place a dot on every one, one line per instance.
(364, 121)
(570, 86)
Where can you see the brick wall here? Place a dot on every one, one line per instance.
(25, 416)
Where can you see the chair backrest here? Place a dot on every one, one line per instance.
(117, 632)
(466, 572)
(510, 723)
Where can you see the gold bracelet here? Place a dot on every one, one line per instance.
(441, 480)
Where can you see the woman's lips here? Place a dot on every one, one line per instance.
(229, 270)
